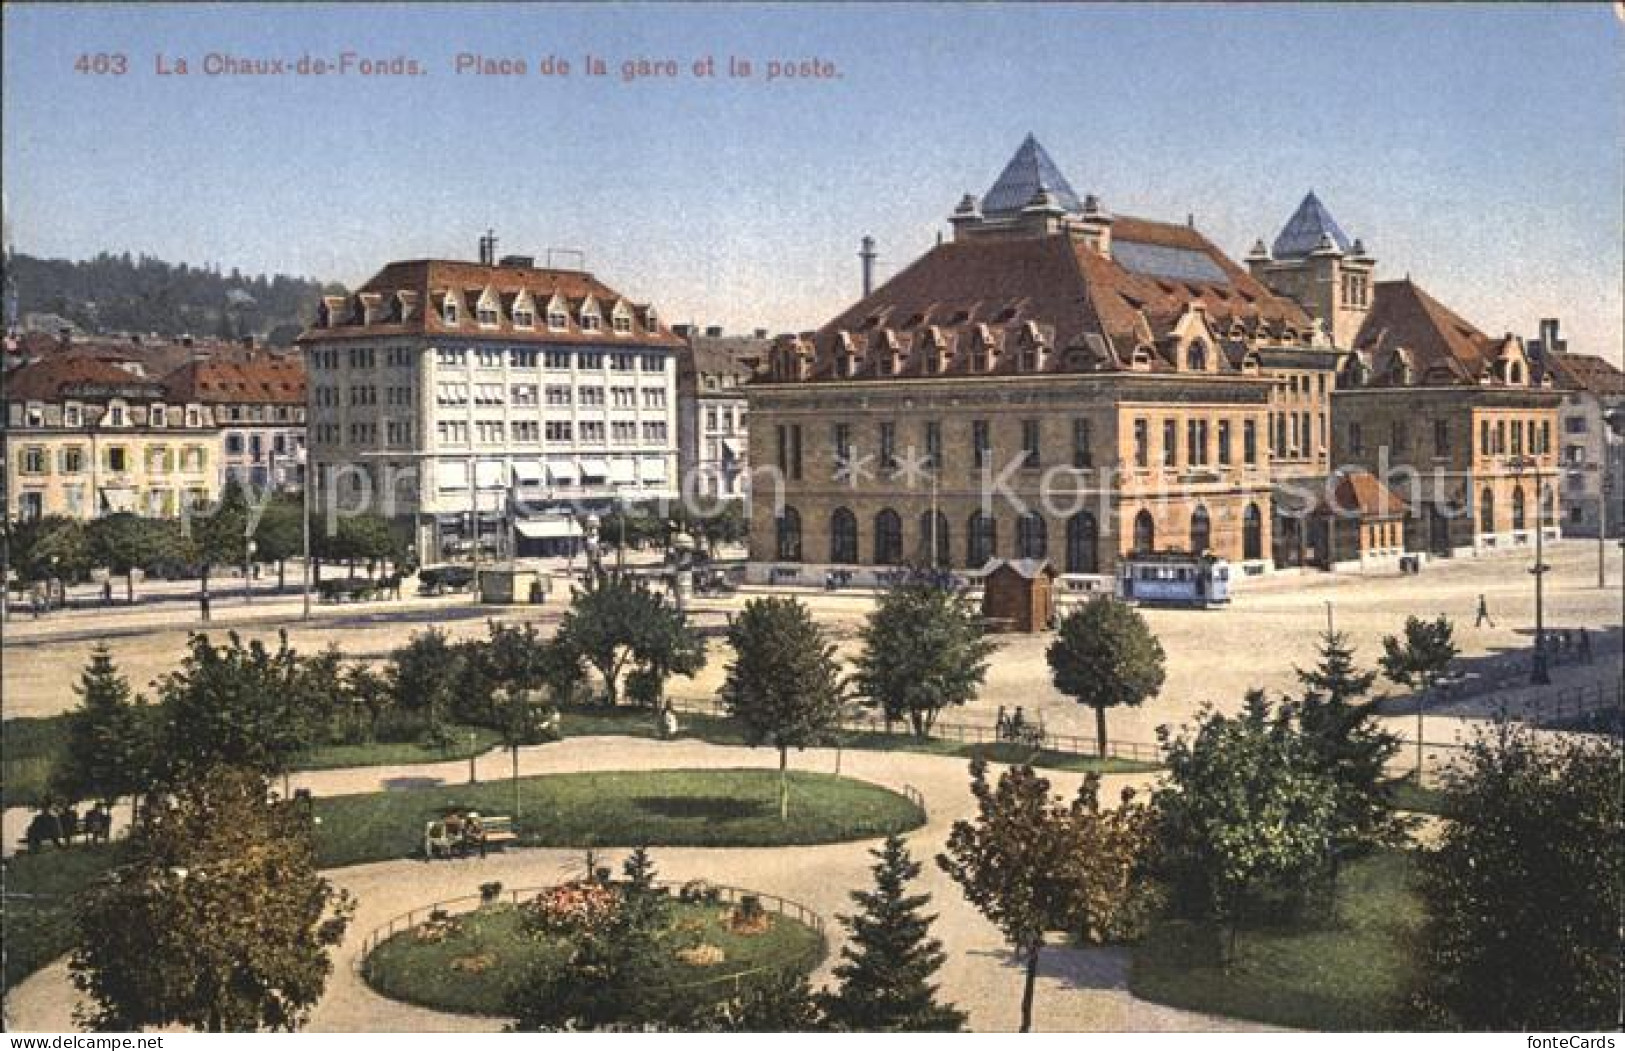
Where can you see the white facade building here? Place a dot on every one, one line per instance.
(502, 401)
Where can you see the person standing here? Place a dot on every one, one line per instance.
(1483, 614)
(203, 606)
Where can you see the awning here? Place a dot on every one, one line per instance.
(452, 474)
(547, 528)
(654, 469)
(594, 469)
(527, 472)
(623, 469)
(561, 472)
(491, 474)
(118, 498)
(730, 447)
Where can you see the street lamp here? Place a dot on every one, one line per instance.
(682, 546)
(1539, 673)
(473, 745)
(249, 547)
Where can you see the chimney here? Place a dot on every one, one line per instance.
(682, 331)
(248, 342)
(488, 248)
(1549, 343)
(713, 331)
(867, 255)
(64, 336)
(761, 333)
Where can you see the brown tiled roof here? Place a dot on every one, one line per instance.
(431, 279)
(1586, 372)
(55, 378)
(263, 379)
(1361, 494)
(1090, 311)
(1443, 346)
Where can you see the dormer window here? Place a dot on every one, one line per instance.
(622, 323)
(558, 320)
(155, 415)
(524, 319)
(115, 414)
(73, 415)
(1196, 357)
(590, 322)
(448, 313)
(486, 315)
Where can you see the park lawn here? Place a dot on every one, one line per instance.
(699, 808)
(492, 939)
(1409, 797)
(1348, 975)
(41, 890)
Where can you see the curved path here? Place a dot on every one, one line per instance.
(1079, 990)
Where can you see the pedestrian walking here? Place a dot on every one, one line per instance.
(203, 606)
(107, 592)
(1483, 614)
(1585, 646)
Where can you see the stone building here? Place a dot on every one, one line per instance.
(712, 415)
(1593, 453)
(91, 435)
(491, 402)
(1457, 422)
(1053, 382)
(258, 402)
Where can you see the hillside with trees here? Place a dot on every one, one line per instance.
(141, 294)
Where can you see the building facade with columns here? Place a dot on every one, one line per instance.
(1054, 382)
(493, 402)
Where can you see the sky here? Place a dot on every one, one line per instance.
(1476, 149)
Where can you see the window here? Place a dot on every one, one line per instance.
(558, 430)
(522, 357)
(1441, 437)
(592, 397)
(449, 312)
(1145, 533)
(1029, 444)
(788, 529)
(524, 319)
(557, 320)
(592, 432)
(789, 436)
(1500, 437)
(1486, 511)
(1573, 425)
(654, 431)
(888, 446)
(486, 315)
(654, 363)
(623, 397)
(1170, 443)
(556, 359)
(655, 398)
(621, 362)
(1356, 438)
(842, 440)
(623, 432)
(1196, 441)
(1517, 437)
(1249, 441)
(591, 322)
(981, 443)
(591, 359)
(933, 444)
(526, 395)
(888, 538)
(1224, 442)
(1517, 508)
(1545, 436)
(1401, 437)
(934, 533)
(118, 458)
(981, 540)
(73, 460)
(843, 536)
(1082, 543)
(1252, 534)
(34, 460)
(1032, 536)
(1142, 443)
(1082, 454)
(622, 325)
(1201, 531)
(73, 416)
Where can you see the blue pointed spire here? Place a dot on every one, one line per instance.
(1029, 171)
(1302, 233)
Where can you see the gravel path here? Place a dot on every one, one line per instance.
(1080, 990)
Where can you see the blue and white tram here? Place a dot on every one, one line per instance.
(1174, 578)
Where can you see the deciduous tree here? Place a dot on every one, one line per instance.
(620, 622)
(1419, 660)
(923, 651)
(1105, 656)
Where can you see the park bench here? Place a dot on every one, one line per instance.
(499, 831)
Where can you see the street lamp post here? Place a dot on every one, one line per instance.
(304, 525)
(1539, 673)
(249, 547)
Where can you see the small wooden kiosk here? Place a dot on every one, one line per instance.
(1018, 594)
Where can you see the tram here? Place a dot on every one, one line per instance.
(1173, 578)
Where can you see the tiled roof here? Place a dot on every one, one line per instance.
(1586, 372)
(55, 378)
(264, 379)
(1442, 345)
(1030, 170)
(1361, 494)
(1303, 232)
(722, 355)
(428, 282)
(1089, 311)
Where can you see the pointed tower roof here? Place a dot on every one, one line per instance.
(1030, 171)
(1302, 233)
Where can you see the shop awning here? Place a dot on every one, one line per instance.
(491, 474)
(730, 447)
(117, 498)
(654, 469)
(527, 472)
(547, 528)
(623, 469)
(451, 474)
(562, 472)
(594, 469)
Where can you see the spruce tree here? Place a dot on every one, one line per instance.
(108, 749)
(1339, 727)
(885, 977)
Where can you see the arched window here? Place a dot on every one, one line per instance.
(789, 535)
(843, 537)
(1486, 511)
(1548, 505)
(1082, 543)
(1517, 508)
(1145, 533)
(934, 528)
(1252, 533)
(1032, 536)
(888, 538)
(1201, 530)
(981, 539)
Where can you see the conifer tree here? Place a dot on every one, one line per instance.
(108, 752)
(885, 973)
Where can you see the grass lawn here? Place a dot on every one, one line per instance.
(702, 808)
(474, 969)
(1418, 800)
(40, 894)
(1344, 976)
